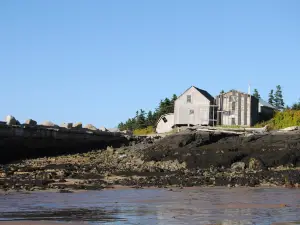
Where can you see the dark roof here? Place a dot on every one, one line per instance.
(266, 104)
(206, 94)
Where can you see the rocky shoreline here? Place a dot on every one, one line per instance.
(185, 159)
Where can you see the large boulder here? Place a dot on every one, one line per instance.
(77, 125)
(31, 122)
(90, 127)
(238, 166)
(49, 124)
(67, 125)
(10, 120)
(103, 129)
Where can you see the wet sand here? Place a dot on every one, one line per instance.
(154, 206)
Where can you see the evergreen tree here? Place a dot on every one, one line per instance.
(174, 97)
(222, 92)
(271, 97)
(150, 119)
(141, 120)
(296, 106)
(278, 99)
(256, 94)
(121, 126)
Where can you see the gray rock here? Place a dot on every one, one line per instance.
(90, 127)
(31, 122)
(10, 120)
(67, 125)
(113, 129)
(103, 129)
(238, 166)
(49, 124)
(77, 125)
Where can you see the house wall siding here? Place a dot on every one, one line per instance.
(200, 104)
(244, 113)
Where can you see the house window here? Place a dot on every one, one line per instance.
(191, 111)
(233, 106)
(164, 119)
(233, 121)
(189, 99)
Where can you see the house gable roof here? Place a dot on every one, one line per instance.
(201, 91)
(205, 94)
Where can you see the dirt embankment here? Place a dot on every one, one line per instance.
(185, 159)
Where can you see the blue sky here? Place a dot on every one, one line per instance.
(100, 61)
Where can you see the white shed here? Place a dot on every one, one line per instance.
(165, 123)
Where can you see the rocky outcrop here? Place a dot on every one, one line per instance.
(77, 125)
(10, 120)
(67, 125)
(48, 124)
(90, 127)
(183, 159)
(103, 129)
(30, 122)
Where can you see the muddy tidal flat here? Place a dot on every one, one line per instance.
(153, 206)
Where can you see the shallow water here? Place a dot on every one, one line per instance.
(157, 206)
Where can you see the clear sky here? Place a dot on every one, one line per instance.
(100, 61)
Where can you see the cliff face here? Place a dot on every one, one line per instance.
(20, 142)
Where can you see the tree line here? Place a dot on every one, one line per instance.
(276, 99)
(143, 119)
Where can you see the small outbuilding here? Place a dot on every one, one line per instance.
(165, 123)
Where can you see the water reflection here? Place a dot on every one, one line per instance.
(157, 206)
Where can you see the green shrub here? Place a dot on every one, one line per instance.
(287, 118)
(144, 131)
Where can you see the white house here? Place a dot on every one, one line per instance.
(165, 123)
(194, 107)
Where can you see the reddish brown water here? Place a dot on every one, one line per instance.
(156, 206)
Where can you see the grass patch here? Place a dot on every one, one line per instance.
(144, 131)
